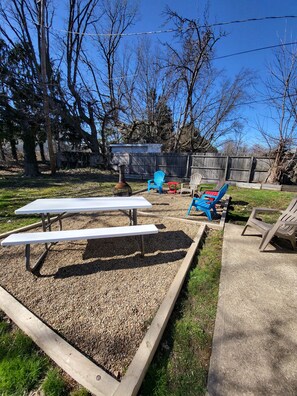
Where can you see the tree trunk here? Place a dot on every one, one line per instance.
(14, 152)
(275, 171)
(30, 161)
(2, 151)
(46, 109)
(103, 145)
(41, 149)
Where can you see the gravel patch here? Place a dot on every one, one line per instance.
(100, 295)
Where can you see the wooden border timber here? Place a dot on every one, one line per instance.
(215, 226)
(79, 367)
(225, 211)
(68, 358)
(136, 371)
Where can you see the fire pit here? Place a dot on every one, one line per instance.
(122, 189)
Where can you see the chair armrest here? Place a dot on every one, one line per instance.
(150, 180)
(208, 197)
(194, 199)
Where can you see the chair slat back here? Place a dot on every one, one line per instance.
(159, 177)
(195, 179)
(289, 215)
(221, 193)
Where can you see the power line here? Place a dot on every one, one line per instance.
(169, 30)
(253, 20)
(118, 34)
(215, 58)
(254, 50)
(237, 104)
(264, 100)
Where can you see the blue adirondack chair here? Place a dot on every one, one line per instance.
(157, 182)
(207, 202)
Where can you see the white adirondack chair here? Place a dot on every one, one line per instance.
(193, 185)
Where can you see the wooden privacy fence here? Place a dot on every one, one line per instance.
(213, 167)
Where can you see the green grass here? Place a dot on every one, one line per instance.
(23, 368)
(21, 365)
(53, 384)
(244, 200)
(16, 191)
(180, 365)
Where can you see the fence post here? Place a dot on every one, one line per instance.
(187, 166)
(250, 175)
(129, 163)
(226, 168)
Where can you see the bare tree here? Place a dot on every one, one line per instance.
(43, 41)
(185, 64)
(217, 113)
(146, 115)
(18, 16)
(117, 17)
(80, 104)
(204, 102)
(93, 80)
(281, 96)
(236, 145)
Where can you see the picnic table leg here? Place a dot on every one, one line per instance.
(134, 221)
(142, 245)
(38, 263)
(60, 220)
(43, 222)
(45, 225)
(27, 257)
(130, 214)
(48, 223)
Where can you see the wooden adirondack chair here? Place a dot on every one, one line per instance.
(285, 227)
(207, 203)
(193, 185)
(157, 182)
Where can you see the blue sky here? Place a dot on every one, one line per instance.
(240, 37)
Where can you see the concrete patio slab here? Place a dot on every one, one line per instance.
(255, 338)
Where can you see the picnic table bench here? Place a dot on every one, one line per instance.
(28, 238)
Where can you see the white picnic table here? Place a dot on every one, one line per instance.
(75, 205)
(47, 206)
(62, 206)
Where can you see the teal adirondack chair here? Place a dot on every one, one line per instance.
(157, 182)
(207, 202)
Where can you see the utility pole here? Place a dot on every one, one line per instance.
(43, 51)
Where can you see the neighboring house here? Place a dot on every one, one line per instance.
(136, 148)
(120, 153)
